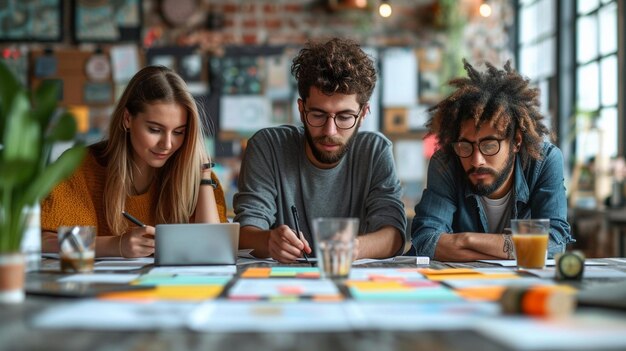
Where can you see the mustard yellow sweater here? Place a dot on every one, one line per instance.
(79, 200)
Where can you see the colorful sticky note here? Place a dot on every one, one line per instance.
(440, 293)
(481, 293)
(257, 272)
(448, 271)
(181, 280)
(182, 293)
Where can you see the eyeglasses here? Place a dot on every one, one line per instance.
(487, 147)
(342, 120)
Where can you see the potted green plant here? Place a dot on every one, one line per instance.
(29, 125)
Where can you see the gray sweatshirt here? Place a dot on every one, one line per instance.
(276, 174)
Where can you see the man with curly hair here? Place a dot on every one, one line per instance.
(494, 163)
(327, 168)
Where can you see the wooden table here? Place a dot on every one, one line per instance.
(17, 333)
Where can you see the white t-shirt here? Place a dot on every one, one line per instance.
(498, 212)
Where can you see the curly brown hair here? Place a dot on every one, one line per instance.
(502, 98)
(335, 66)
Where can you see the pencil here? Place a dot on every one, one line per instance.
(133, 219)
(294, 211)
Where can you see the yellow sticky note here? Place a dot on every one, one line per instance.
(81, 115)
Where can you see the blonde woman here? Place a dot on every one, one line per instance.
(153, 165)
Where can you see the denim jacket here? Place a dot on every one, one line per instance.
(448, 204)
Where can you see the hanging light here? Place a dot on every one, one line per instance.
(384, 9)
(361, 4)
(485, 9)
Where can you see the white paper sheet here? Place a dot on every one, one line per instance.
(196, 270)
(108, 315)
(409, 157)
(139, 260)
(589, 272)
(305, 316)
(371, 122)
(399, 75)
(416, 316)
(125, 62)
(244, 112)
(417, 260)
(587, 331)
(274, 287)
(100, 278)
(359, 273)
(118, 265)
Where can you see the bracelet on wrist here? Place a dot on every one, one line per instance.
(210, 182)
(207, 165)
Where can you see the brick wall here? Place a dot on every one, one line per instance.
(279, 22)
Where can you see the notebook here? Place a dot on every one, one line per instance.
(196, 244)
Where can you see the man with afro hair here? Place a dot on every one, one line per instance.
(494, 163)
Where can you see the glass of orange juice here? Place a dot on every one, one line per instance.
(530, 237)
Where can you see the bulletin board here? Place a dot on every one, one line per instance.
(66, 68)
(250, 88)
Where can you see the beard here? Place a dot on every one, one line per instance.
(329, 157)
(483, 189)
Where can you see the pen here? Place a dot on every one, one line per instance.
(294, 211)
(133, 219)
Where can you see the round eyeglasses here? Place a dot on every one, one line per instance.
(343, 120)
(487, 147)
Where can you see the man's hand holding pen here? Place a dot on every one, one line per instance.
(285, 246)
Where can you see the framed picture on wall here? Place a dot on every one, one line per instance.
(106, 21)
(27, 21)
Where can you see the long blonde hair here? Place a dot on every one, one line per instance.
(178, 181)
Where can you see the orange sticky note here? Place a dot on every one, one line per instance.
(290, 290)
(455, 271)
(473, 276)
(168, 292)
(482, 293)
(257, 272)
(327, 298)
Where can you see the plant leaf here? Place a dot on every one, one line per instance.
(9, 87)
(63, 130)
(54, 173)
(15, 171)
(45, 103)
(22, 138)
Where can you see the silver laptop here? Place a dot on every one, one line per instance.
(196, 244)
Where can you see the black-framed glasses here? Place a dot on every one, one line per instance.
(343, 120)
(487, 147)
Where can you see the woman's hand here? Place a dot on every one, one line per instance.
(137, 242)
